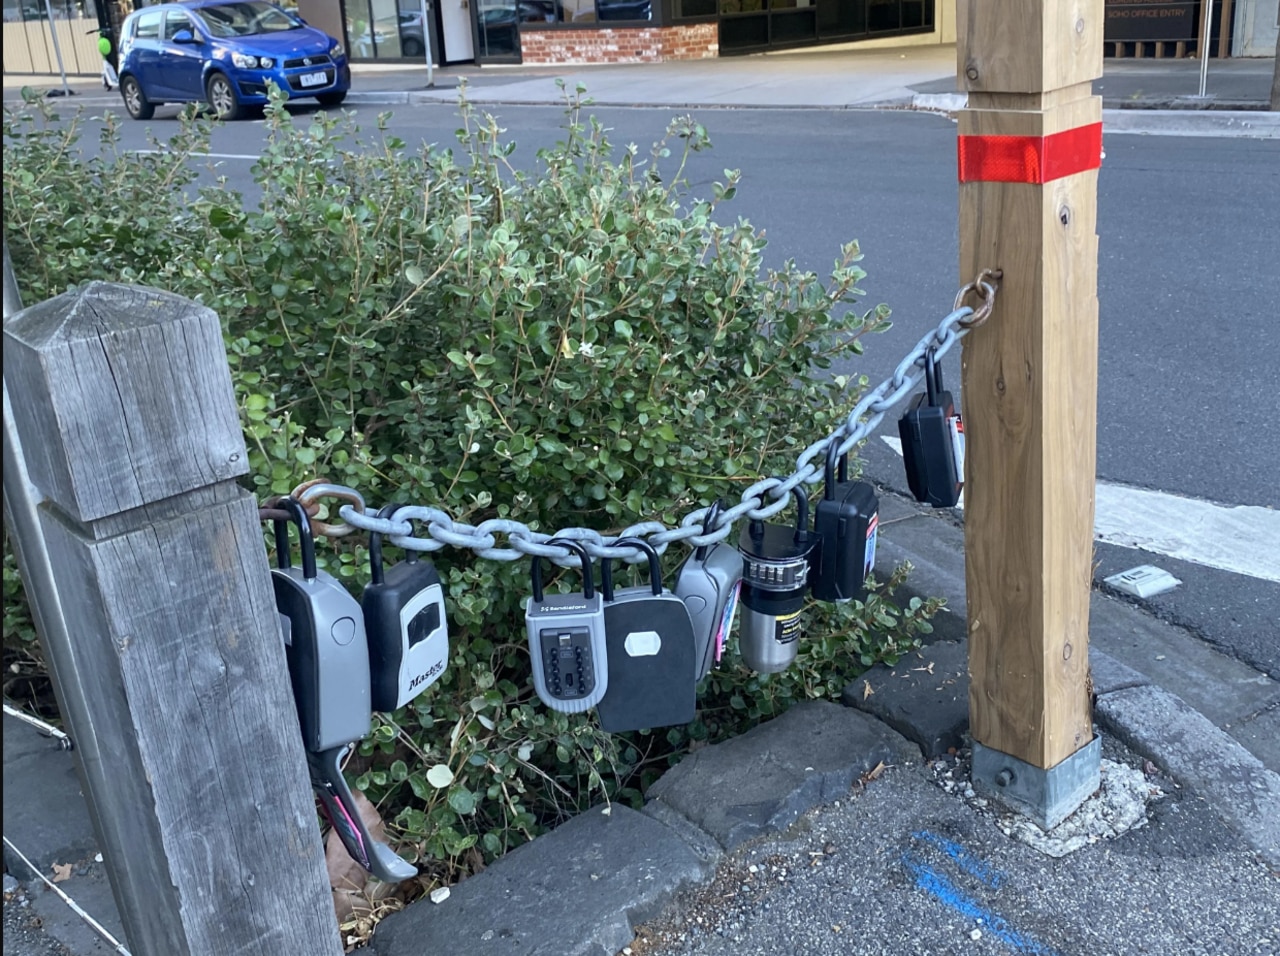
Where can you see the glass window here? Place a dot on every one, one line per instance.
(695, 8)
(884, 15)
(148, 26)
(838, 18)
(499, 37)
(743, 6)
(413, 35)
(175, 21)
(579, 11)
(247, 18)
(624, 9)
(540, 11)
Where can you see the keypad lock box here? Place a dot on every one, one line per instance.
(847, 521)
(651, 652)
(932, 436)
(328, 657)
(567, 641)
(405, 622)
(709, 583)
(327, 651)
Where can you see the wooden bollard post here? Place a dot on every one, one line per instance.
(1030, 147)
(180, 696)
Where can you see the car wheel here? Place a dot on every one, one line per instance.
(332, 99)
(411, 48)
(135, 101)
(223, 99)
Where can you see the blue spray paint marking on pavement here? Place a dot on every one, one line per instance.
(965, 859)
(947, 893)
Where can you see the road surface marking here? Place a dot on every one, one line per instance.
(967, 860)
(166, 152)
(951, 896)
(1242, 539)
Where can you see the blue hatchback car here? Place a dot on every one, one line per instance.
(224, 52)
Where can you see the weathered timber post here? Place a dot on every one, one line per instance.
(178, 692)
(1030, 147)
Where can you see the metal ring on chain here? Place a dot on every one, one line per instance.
(312, 491)
(985, 287)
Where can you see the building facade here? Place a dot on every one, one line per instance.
(556, 32)
(610, 31)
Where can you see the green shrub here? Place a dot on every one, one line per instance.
(579, 343)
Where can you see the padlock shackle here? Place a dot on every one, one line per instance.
(712, 514)
(281, 528)
(829, 476)
(375, 545)
(655, 567)
(932, 377)
(588, 583)
(306, 543)
(802, 512)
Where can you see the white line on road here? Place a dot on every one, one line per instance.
(162, 152)
(1242, 539)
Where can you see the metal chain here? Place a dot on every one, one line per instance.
(762, 500)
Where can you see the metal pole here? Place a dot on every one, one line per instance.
(57, 51)
(1204, 53)
(426, 41)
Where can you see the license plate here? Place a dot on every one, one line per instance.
(314, 79)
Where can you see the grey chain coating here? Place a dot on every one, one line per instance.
(810, 467)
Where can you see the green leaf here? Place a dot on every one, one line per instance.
(463, 801)
(440, 776)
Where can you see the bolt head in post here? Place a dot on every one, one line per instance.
(1004, 777)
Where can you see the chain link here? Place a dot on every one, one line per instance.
(760, 501)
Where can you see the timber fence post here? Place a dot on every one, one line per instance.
(1030, 147)
(173, 676)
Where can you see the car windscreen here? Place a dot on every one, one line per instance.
(246, 18)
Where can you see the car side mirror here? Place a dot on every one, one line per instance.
(184, 36)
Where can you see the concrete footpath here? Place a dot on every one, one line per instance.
(818, 786)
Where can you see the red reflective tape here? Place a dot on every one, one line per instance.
(1030, 159)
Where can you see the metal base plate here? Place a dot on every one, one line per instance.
(1046, 796)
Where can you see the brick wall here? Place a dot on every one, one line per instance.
(693, 41)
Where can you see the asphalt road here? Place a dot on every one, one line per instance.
(1189, 281)
(1188, 275)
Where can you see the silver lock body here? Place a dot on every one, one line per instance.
(775, 574)
(568, 652)
(709, 588)
(773, 596)
(328, 657)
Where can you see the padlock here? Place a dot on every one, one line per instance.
(327, 650)
(650, 647)
(775, 575)
(567, 641)
(708, 583)
(328, 660)
(932, 435)
(847, 520)
(404, 618)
